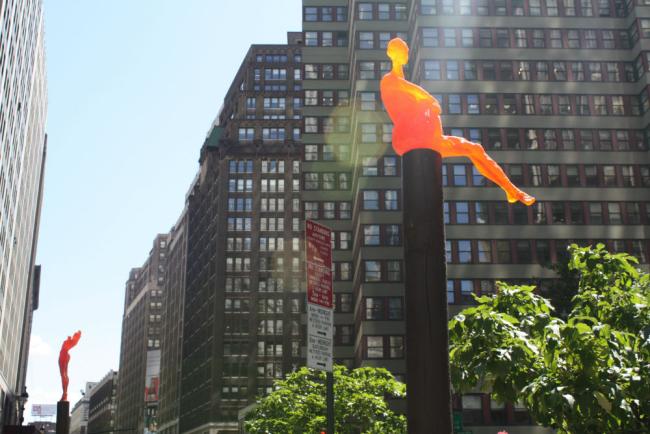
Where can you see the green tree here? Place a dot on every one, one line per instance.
(586, 374)
(298, 404)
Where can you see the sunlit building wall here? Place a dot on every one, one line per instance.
(23, 105)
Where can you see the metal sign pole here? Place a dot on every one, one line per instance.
(330, 403)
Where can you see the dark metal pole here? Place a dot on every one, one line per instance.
(330, 403)
(427, 340)
(63, 417)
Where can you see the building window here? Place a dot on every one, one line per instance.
(432, 70)
(371, 235)
(366, 40)
(464, 251)
(372, 271)
(392, 235)
(391, 200)
(484, 251)
(394, 271)
(375, 347)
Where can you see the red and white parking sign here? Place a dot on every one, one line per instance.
(320, 313)
(319, 244)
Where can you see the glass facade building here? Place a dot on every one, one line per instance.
(23, 106)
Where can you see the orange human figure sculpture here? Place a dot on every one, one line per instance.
(416, 118)
(64, 359)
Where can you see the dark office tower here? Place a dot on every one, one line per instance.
(241, 315)
(101, 405)
(554, 90)
(137, 391)
(23, 105)
(172, 330)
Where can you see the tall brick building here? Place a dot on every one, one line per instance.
(138, 386)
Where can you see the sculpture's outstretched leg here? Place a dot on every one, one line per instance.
(460, 147)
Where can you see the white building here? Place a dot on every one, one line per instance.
(23, 106)
(79, 413)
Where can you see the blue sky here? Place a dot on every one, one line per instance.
(133, 89)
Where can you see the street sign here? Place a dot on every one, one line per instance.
(319, 320)
(319, 244)
(320, 313)
(319, 285)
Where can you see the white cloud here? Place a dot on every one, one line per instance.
(38, 347)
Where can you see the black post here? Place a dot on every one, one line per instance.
(63, 417)
(427, 340)
(330, 403)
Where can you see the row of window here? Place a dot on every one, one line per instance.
(276, 58)
(327, 152)
(374, 40)
(541, 70)
(453, 37)
(267, 166)
(275, 87)
(268, 134)
(383, 347)
(482, 410)
(524, 251)
(265, 284)
(266, 244)
(327, 71)
(264, 305)
(555, 139)
(382, 11)
(241, 264)
(326, 39)
(325, 13)
(382, 271)
(534, 8)
(380, 166)
(544, 104)
(382, 235)
(328, 210)
(327, 181)
(375, 200)
(337, 124)
(554, 175)
(327, 98)
(542, 213)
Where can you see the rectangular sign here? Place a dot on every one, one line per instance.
(319, 285)
(319, 244)
(320, 312)
(319, 353)
(44, 410)
(320, 320)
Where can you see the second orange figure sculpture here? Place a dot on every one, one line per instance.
(64, 359)
(416, 118)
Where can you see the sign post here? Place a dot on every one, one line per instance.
(320, 312)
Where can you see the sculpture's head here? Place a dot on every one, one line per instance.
(398, 51)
